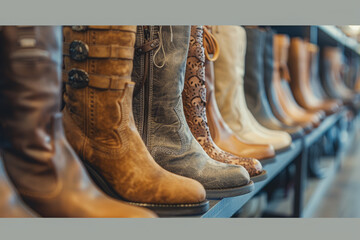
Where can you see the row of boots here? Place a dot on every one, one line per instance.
(156, 119)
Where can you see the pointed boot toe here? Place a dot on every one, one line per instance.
(255, 169)
(195, 113)
(229, 185)
(159, 112)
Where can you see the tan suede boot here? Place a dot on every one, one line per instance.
(99, 123)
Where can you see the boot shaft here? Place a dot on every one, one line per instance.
(297, 61)
(100, 50)
(268, 58)
(159, 71)
(30, 87)
(281, 48)
(194, 93)
(229, 72)
(98, 62)
(333, 63)
(313, 65)
(30, 60)
(254, 68)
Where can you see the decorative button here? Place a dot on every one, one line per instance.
(78, 78)
(79, 28)
(78, 50)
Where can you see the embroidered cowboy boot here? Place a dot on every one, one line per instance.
(194, 103)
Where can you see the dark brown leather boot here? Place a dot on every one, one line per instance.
(37, 157)
(100, 126)
(10, 202)
(194, 103)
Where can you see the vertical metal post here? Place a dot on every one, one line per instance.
(311, 34)
(300, 181)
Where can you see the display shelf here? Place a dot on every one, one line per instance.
(317, 187)
(314, 190)
(307, 192)
(323, 35)
(313, 193)
(229, 206)
(325, 125)
(339, 37)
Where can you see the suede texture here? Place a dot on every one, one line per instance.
(159, 114)
(100, 126)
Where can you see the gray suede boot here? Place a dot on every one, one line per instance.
(159, 70)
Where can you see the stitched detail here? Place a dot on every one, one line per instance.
(194, 101)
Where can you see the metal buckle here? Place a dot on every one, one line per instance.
(78, 50)
(78, 78)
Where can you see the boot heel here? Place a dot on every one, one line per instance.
(100, 182)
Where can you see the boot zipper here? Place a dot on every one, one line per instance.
(146, 93)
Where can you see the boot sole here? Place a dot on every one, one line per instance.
(261, 177)
(267, 160)
(215, 194)
(162, 210)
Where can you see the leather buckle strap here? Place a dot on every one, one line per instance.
(78, 78)
(147, 47)
(83, 28)
(79, 51)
